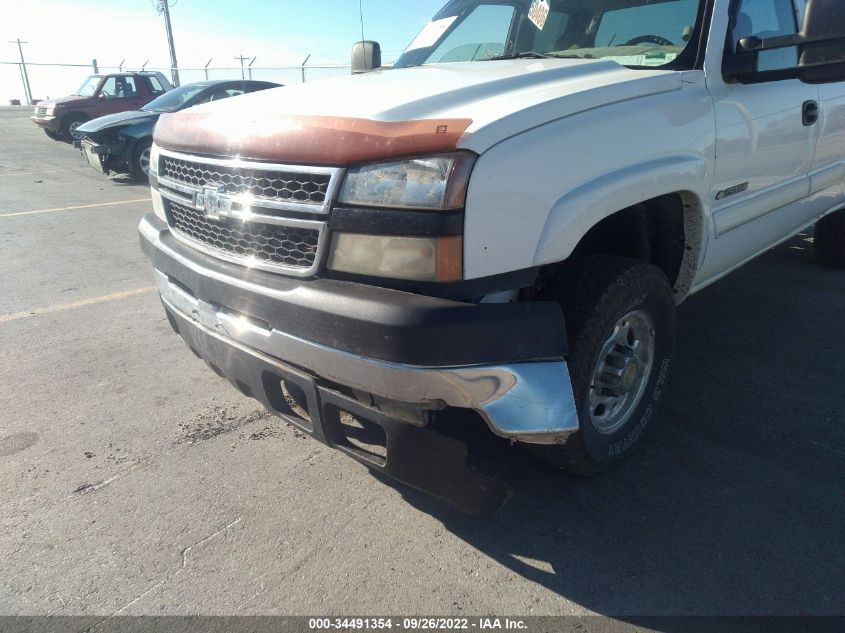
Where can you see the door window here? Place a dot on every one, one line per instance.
(118, 88)
(155, 86)
(768, 18)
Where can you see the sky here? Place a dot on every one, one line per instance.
(280, 32)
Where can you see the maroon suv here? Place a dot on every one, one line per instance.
(97, 96)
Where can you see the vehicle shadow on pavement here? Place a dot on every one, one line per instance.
(129, 182)
(735, 507)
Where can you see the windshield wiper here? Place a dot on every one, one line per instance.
(530, 55)
(523, 55)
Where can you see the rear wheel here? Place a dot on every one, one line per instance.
(69, 125)
(621, 323)
(830, 240)
(139, 167)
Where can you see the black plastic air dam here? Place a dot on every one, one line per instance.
(422, 459)
(374, 322)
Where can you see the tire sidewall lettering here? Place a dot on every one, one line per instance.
(619, 448)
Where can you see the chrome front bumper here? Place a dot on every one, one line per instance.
(47, 122)
(530, 402)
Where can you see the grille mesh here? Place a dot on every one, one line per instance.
(271, 185)
(270, 244)
(41, 110)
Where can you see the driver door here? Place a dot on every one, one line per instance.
(765, 143)
(119, 94)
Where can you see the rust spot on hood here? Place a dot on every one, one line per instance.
(310, 140)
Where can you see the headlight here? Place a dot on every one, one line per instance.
(154, 156)
(438, 259)
(436, 183)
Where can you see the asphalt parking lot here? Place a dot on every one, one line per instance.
(135, 481)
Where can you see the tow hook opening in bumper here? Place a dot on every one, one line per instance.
(417, 457)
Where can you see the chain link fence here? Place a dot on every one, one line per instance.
(57, 80)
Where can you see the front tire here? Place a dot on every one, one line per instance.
(69, 125)
(830, 240)
(621, 322)
(139, 168)
(53, 135)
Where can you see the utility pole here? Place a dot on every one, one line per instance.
(163, 6)
(24, 75)
(242, 59)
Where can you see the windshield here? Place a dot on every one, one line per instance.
(176, 99)
(635, 33)
(89, 86)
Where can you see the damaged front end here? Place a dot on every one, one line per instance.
(108, 143)
(107, 151)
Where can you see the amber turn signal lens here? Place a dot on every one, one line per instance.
(438, 259)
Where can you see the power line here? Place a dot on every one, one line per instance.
(361, 13)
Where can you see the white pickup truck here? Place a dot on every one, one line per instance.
(502, 223)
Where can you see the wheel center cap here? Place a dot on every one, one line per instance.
(629, 378)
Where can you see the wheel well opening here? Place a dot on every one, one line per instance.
(664, 231)
(75, 116)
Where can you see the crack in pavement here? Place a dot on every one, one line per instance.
(182, 568)
(86, 488)
(206, 539)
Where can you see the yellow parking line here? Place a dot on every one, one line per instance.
(81, 206)
(62, 307)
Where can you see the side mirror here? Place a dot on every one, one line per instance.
(749, 44)
(744, 62)
(821, 47)
(823, 54)
(366, 56)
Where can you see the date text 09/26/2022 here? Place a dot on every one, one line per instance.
(416, 624)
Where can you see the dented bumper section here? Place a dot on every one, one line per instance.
(326, 337)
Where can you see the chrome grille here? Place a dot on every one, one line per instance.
(262, 243)
(305, 188)
(248, 212)
(41, 111)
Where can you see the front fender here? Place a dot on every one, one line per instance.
(578, 211)
(134, 134)
(139, 130)
(534, 196)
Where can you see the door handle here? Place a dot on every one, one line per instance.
(810, 113)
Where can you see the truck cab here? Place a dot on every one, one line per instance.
(503, 223)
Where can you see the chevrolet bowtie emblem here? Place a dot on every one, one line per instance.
(214, 201)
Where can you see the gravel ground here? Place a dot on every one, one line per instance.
(135, 481)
